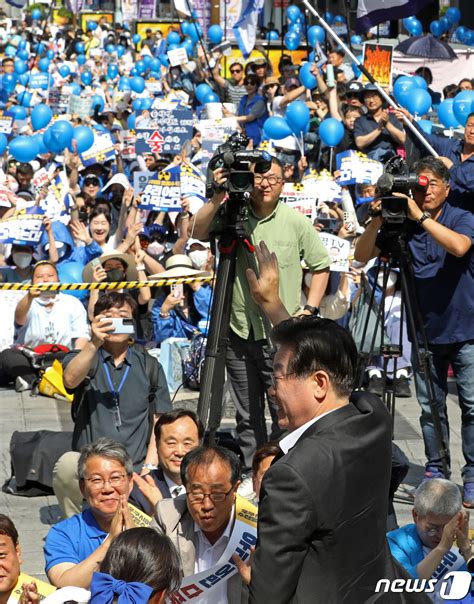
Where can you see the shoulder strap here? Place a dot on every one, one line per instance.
(80, 391)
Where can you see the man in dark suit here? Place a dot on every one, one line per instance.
(176, 433)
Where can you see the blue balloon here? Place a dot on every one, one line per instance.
(84, 138)
(211, 97)
(62, 132)
(112, 71)
(446, 114)
(195, 31)
(147, 60)
(453, 15)
(202, 90)
(406, 22)
(140, 67)
(306, 77)
(164, 60)
(173, 46)
(339, 19)
(131, 121)
(36, 14)
(292, 40)
(81, 59)
(445, 24)
(420, 82)
(215, 33)
(23, 79)
(316, 34)
(71, 272)
(403, 87)
(124, 84)
(469, 37)
(80, 48)
(355, 66)
(155, 64)
(188, 44)
(460, 33)
(24, 148)
(137, 84)
(24, 98)
(22, 44)
(292, 13)
(120, 50)
(64, 71)
(273, 35)
(42, 147)
(136, 39)
(50, 54)
(3, 143)
(41, 116)
(436, 28)
(97, 99)
(184, 28)
(86, 78)
(154, 75)
(51, 144)
(415, 28)
(276, 127)
(462, 105)
(146, 104)
(331, 132)
(20, 67)
(110, 48)
(92, 25)
(356, 40)
(133, 72)
(10, 51)
(19, 112)
(9, 81)
(173, 38)
(40, 49)
(43, 64)
(297, 117)
(76, 88)
(23, 54)
(329, 18)
(137, 104)
(426, 126)
(418, 102)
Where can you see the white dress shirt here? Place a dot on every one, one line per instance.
(290, 441)
(208, 555)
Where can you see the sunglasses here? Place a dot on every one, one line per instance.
(236, 70)
(91, 181)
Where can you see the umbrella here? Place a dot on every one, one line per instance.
(427, 47)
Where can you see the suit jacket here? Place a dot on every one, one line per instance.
(323, 511)
(140, 501)
(173, 519)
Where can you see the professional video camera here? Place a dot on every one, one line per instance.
(234, 156)
(397, 179)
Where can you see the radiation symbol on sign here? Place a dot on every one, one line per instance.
(298, 186)
(155, 142)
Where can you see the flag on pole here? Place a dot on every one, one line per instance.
(245, 29)
(183, 7)
(17, 3)
(373, 12)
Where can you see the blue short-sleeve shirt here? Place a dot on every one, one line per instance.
(384, 146)
(73, 540)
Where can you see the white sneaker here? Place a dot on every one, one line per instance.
(21, 385)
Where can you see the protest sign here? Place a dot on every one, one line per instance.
(322, 187)
(59, 99)
(24, 227)
(80, 106)
(192, 186)
(44, 589)
(129, 139)
(5, 193)
(141, 179)
(101, 151)
(154, 86)
(165, 131)
(378, 62)
(338, 249)
(6, 122)
(214, 132)
(177, 56)
(357, 168)
(39, 80)
(162, 192)
(295, 195)
(40, 179)
(57, 201)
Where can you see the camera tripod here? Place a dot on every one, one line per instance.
(392, 352)
(232, 237)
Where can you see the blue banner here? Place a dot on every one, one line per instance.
(24, 227)
(163, 193)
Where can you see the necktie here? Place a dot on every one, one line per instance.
(178, 490)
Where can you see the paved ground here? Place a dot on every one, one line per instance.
(34, 516)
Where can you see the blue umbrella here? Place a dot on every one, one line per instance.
(427, 47)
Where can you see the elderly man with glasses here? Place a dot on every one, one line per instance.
(200, 523)
(438, 541)
(291, 236)
(75, 547)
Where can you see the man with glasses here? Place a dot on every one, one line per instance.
(426, 549)
(75, 547)
(200, 522)
(292, 237)
(234, 88)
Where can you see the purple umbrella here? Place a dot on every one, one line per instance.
(427, 47)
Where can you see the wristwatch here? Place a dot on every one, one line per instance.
(423, 217)
(149, 466)
(314, 310)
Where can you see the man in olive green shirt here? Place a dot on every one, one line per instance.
(293, 238)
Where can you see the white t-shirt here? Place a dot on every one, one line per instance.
(452, 560)
(61, 324)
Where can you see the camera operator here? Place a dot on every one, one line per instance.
(440, 239)
(292, 237)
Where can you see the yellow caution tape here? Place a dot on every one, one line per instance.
(53, 287)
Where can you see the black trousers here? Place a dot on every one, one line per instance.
(13, 363)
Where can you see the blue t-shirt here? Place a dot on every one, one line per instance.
(73, 540)
(384, 146)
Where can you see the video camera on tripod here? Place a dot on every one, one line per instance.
(397, 179)
(234, 156)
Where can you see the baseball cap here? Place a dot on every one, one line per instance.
(292, 82)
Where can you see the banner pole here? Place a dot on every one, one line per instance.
(369, 76)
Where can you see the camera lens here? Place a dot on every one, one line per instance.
(241, 180)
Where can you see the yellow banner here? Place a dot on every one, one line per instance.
(139, 518)
(44, 589)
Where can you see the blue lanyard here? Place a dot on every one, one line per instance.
(115, 393)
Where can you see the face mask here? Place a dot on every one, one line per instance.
(198, 258)
(46, 298)
(155, 249)
(22, 259)
(392, 279)
(116, 274)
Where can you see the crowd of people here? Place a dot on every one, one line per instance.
(152, 512)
